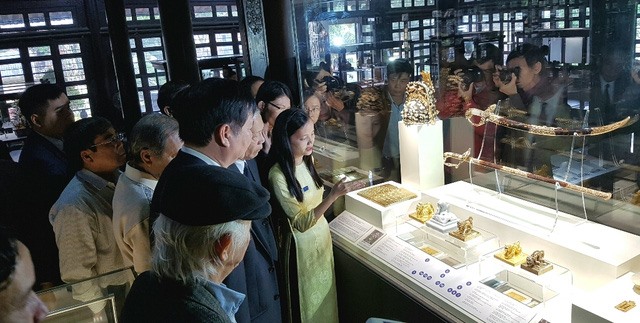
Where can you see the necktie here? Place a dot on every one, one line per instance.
(607, 97)
(543, 113)
(247, 172)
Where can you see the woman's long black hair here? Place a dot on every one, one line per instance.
(287, 123)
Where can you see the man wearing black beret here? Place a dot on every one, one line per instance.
(201, 235)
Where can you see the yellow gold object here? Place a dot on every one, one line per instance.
(424, 212)
(517, 172)
(465, 230)
(536, 263)
(489, 115)
(430, 251)
(512, 254)
(420, 105)
(625, 306)
(517, 296)
(635, 200)
(544, 170)
(387, 194)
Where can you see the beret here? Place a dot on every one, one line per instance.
(200, 195)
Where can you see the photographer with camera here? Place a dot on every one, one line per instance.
(530, 89)
(325, 85)
(528, 86)
(475, 89)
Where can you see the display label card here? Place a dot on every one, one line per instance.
(371, 238)
(350, 226)
(491, 306)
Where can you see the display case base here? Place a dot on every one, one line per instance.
(440, 227)
(465, 237)
(538, 270)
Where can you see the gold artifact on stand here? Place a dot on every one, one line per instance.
(625, 306)
(420, 105)
(512, 254)
(466, 157)
(424, 212)
(465, 230)
(537, 264)
(489, 115)
(387, 194)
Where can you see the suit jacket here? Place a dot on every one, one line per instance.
(45, 171)
(256, 275)
(624, 94)
(153, 300)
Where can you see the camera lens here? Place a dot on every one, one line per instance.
(505, 75)
(516, 71)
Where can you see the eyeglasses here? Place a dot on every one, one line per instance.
(277, 106)
(119, 137)
(309, 110)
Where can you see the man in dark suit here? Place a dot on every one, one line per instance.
(215, 126)
(45, 172)
(256, 275)
(201, 235)
(614, 96)
(610, 89)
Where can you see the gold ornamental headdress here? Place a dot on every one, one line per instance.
(420, 105)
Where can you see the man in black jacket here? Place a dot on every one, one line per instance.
(45, 173)
(201, 235)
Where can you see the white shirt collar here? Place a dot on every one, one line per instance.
(200, 155)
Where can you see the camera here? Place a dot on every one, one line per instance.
(332, 83)
(505, 74)
(472, 75)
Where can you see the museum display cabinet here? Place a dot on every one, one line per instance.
(545, 214)
(562, 256)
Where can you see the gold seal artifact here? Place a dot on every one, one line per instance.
(512, 254)
(465, 230)
(537, 264)
(424, 212)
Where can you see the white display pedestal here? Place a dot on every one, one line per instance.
(421, 153)
(383, 217)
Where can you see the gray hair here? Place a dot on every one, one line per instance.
(185, 253)
(151, 132)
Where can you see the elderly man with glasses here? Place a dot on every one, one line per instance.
(81, 217)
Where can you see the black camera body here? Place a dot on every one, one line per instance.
(471, 75)
(332, 83)
(505, 74)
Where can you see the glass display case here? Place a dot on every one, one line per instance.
(530, 287)
(552, 163)
(442, 245)
(571, 133)
(97, 299)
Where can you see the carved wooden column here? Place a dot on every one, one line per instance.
(123, 62)
(283, 65)
(179, 47)
(254, 42)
